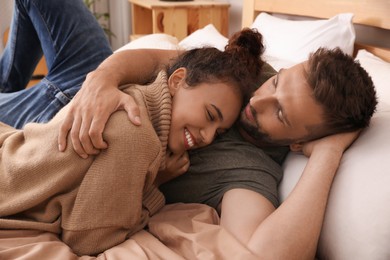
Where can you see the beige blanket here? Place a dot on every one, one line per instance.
(178, 231)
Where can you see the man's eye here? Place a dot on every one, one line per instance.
(275, 81)
(280, 115)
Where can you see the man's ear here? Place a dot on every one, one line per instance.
(296, 147)
(176, 80)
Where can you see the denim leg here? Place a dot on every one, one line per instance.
(73, 44)
(21, 54)
(36, 104)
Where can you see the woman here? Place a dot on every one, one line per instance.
(98, 202)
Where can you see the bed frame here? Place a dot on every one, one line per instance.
(369, 13)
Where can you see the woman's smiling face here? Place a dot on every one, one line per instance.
(201, 112)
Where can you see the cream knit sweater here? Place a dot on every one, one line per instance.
(94, 203)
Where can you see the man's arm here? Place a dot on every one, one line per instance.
(99, 97)
(292, 230)
(242, 211)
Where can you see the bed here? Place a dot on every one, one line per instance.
(357, 221)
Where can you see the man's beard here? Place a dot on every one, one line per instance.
(259, 137)
(253, 132)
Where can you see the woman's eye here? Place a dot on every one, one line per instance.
(210, 115)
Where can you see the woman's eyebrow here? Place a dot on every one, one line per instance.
(218, 112)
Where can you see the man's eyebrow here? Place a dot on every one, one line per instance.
(278, 74)
(218, 112)
(285, 118)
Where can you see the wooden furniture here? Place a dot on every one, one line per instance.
(365, 13)
(178, 18)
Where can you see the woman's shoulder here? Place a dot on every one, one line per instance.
(119, 125)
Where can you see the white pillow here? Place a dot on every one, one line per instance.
(294, 40)
(357, 219)
(379, 70)
(152, 41)
(208, 36)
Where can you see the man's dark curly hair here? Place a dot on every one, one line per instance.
(343, 88)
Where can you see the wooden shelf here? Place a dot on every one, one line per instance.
(178, 18)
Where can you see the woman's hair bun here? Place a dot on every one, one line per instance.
(239, 64)
(247, 40)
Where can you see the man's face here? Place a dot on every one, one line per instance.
(282, 110)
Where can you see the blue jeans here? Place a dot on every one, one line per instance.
(73, 44)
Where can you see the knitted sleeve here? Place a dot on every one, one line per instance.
(108, 207)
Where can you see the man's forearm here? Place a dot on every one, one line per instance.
(292, 230)
(133, 66)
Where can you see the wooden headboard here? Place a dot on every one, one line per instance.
(374, 13)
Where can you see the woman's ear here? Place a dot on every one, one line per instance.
(176, 80)
(296, 147)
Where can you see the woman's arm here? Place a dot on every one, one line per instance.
(292, 230)
(115, 195)
(99, 97)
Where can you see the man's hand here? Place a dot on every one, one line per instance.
(337, 143)
(175, 165)
(88, 114)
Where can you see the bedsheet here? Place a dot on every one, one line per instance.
(178, 231)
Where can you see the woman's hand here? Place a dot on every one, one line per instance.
(175, 165)
(89, 112)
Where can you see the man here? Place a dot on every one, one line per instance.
(235, 176)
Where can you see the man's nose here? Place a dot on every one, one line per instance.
(260, 103)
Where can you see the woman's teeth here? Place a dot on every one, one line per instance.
(188, 137)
